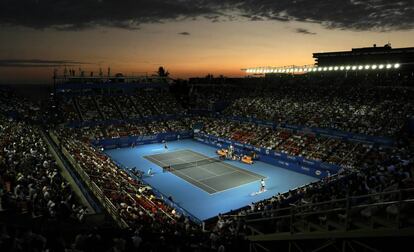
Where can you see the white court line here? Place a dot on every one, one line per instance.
(241, 170)
(218, 175)
(228, 165)
(231, 188)
(235, 169)
(190, 178)
(204, 169)
(238, 169)
(199, 167)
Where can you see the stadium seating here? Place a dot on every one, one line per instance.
(367, 192)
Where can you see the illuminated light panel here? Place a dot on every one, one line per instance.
(262, 70)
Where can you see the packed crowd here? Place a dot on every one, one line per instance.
(307, 145)
(30, 180)
(379, 111)
(13, 105)
(98, 107)
(132, 129)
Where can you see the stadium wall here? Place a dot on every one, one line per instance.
(140, 140)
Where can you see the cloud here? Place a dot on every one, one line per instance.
(305, 31)
(184, 33)
(38, 63)
(379, 15)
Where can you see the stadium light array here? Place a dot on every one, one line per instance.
(308, 68)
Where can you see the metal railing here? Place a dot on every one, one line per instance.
(347, 214)
(106, 203)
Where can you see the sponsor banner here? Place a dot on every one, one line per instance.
(139, 140)
(249, 147)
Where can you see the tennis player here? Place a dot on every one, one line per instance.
(165, 144)
(149, 172)
(262, 186)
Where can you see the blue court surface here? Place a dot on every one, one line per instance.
(188, 194)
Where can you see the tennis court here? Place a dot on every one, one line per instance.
(208, 174)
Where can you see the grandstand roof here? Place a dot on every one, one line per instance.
(367, 55)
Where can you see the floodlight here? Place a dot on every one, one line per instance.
(367, 66)
(354, 67)
(325, 68)
(374, 66)
(381, 66)
(360, 67)
(348, 67)
(388, 66)
(336, 68)
(341, 68)
(396, 65)
(330, 68)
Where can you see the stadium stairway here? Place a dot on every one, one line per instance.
(76, 105)
(385, 216)
(109, 217)
(132, 101)
(77, 108)
(96, 215)
(116, 105)
(98, 108)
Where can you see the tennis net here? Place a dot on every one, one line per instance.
(205, 161)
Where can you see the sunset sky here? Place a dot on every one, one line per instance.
(189, 38)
